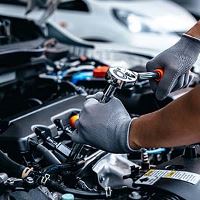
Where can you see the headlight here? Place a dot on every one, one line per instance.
(134, 22)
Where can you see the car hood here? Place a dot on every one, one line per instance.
(168, 15)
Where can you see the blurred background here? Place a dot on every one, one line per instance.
(149, 24)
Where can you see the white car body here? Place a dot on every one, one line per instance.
(100, 22)
(166, 18)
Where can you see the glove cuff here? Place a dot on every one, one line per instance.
(136, 147)
(191, 37)
(191, 42)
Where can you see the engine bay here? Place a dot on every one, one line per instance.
(43, 85)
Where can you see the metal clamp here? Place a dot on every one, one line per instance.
(45, 178)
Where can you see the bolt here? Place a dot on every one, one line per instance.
(145, 159)
(29, 180)
(135, 195)
(101, 179)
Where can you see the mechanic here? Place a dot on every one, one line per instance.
(109, 127)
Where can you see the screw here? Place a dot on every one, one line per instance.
(145, 159)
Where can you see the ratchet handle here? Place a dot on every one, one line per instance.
(159, 74)
(155, 75)
(108, 94)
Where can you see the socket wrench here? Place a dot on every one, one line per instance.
(118, 77)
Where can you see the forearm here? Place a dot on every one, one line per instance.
(179, 122)
(176, 124)
(195, 30)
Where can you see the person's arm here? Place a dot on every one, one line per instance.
(176, 124)
(109, 127)
(195, 30)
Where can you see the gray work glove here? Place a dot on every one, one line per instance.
(104, 125)
(176, 62)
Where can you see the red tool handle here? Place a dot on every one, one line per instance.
(160, 73)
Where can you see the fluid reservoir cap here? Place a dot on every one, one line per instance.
(67, 197)
(100, 71)
(82, 76)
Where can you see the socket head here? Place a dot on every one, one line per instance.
(119, 76)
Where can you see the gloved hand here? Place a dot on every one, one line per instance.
(176, 62)
(104, 125)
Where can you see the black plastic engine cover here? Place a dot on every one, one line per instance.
(14, 139)
(183, 189)
(180, 187)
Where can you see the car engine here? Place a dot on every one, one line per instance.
(43, 86)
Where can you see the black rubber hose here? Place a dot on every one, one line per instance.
(10, 167)
(77, 89)
(56, 169)
(77, 193)
(48, 155)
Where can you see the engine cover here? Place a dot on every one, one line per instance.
(14, 139)
(180, 177)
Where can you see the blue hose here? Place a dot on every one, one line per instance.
(156, 151)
